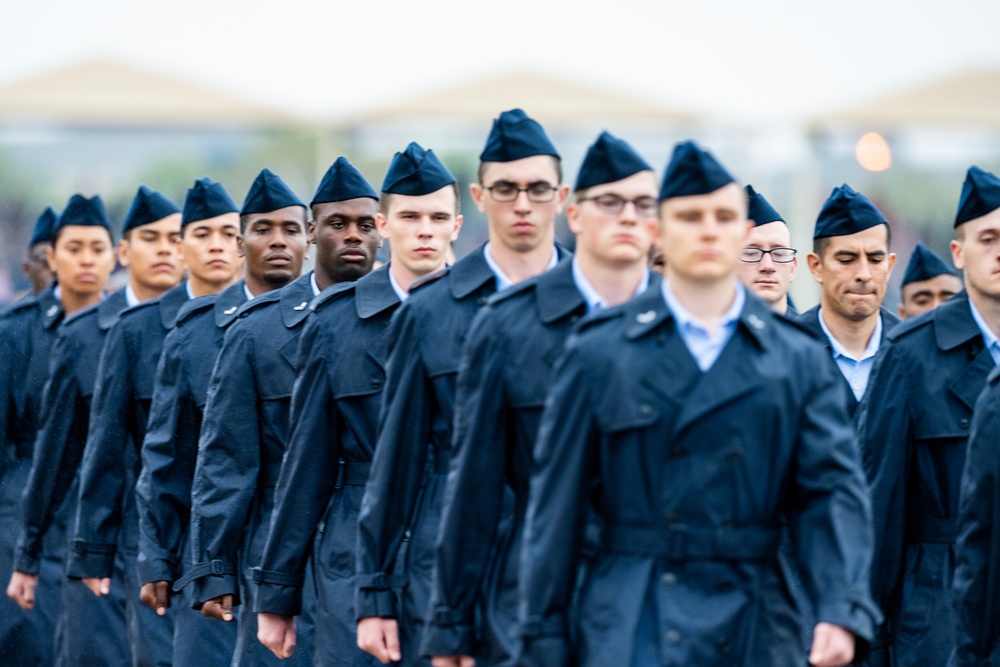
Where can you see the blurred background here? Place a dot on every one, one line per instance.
(896, 98)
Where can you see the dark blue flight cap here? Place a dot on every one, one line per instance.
(515, 136)
(205, 200)
(45, 227)
(149, 206)
(693, 171)
(609, 159)
(759, 209)
(980, 195)
(342, 182)
(847, 212)
(269, 193)
(416, 172)
(83, 212)
(924, 265)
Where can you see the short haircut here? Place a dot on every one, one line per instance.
(385, 201)
(556, 162)
(821, 244)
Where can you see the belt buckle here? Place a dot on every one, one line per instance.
(218, 567)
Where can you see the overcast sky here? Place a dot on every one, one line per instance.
(771, 59)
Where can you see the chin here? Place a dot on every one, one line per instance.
(282, 277)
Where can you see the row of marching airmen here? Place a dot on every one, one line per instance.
(526, 457)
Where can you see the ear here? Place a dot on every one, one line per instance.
(892, 261)
(382, 225)
(240, 246)
(902, 313)
(123, 254)
(311, 232)
(573, 219)
(50, 258)
(458, 226)
(815, 267)
(562, 196)
(478, 192)
(795, 266)
(958, 254)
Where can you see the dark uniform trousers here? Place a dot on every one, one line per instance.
(914, 426)
(106, 521)
(502, 384)
(243, 435)
(90, 629)
(335, 407)
(27, 331)
(691, 473)
(977, 552)
(169, 451)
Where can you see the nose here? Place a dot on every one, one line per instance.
(864, 273)
(426, 228)
(629, 214)
(522, 203)
(766, 264)
(353, 233)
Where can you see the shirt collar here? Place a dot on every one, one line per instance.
(57, 293)
(400, 292)
(247, 292)
(503, 280)
(989, 338)
(313, 284)
(840, 351)
(190, 291)
(594, 300)
(686, 319)
(131, 298)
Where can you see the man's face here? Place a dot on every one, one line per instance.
(346, 237)
(768, 279)
(978, 255)
(620, 238)
(521, 224)
(152, 253)
(36, 267)
(924, 295)
(210, 249)
(703, 235)
(420, 229)
(853, 272)
(275, 244)
(82, 259)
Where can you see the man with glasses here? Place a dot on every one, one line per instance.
(852, 263)
(767, 264)
(501, 393)
(520, 191)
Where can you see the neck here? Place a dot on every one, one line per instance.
(323, 279)
(988, 307)
(404, 277)
(146, 292)
(706, 300)
(201, 287)
(854, 335)
(519, 266)
(616, 284)
(780, 306)
(258, 286)
(76, 301)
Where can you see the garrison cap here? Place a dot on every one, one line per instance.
(342, 182)
(148, 206)
(205, 200)
(693, 171)
(45, 227)
(980, 195)
(84, 212)
(269, 193)
(515, 136)
(609, 159)
(416, 172)
(759, 209)
(847, 212)
(924, 265)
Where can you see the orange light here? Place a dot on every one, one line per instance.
(873, 152)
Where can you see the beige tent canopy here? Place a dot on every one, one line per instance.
(551, 99)
(104, 93)
(970, 99)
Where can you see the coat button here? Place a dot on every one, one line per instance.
(676, 453)
(724, 586)
(645, 409)
(574, 319)
(670, 519)
(723, 646)
(482, 300)
(668, 579)
(734, 456)
(964, 423)
(673, 637)
(376, 384)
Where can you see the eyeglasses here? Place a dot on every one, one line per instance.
(778, 255)
(506, 192)
(613, 204)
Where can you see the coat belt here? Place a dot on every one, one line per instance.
(737, 543)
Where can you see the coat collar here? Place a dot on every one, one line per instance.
(373, 293)
(295, 299)
(810, 320)
(472, 272)
(557, 293)
(170, 304)
(110, 309)
(49, 307)
(228, 304)
(953, 322)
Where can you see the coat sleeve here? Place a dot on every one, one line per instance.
(163, 492)
(567, 446)
(398, 470)
(225, 476)
(55, 459)
(6, 398)
(829, 510)
(884, 426)
(977, 552)
(474, 493)
(306, 482)
(103, 474)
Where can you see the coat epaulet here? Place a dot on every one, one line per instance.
(195, 306)
(330, 294)
(264, 299)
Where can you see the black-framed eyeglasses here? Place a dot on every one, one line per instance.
(778, 255)
(506, 192)
(613, 204)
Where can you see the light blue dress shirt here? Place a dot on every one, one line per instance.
(703, 345)
(857, 371)
(989, 338)
(400, 292)
(594, 300)
(503, 280)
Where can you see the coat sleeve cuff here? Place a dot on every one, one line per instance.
(278, 599)
(859, 619)
(90, 560)
(215, 586)
(547, 651)
(155, 569)
(375, 601)
(448, 633)
(26, 561)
